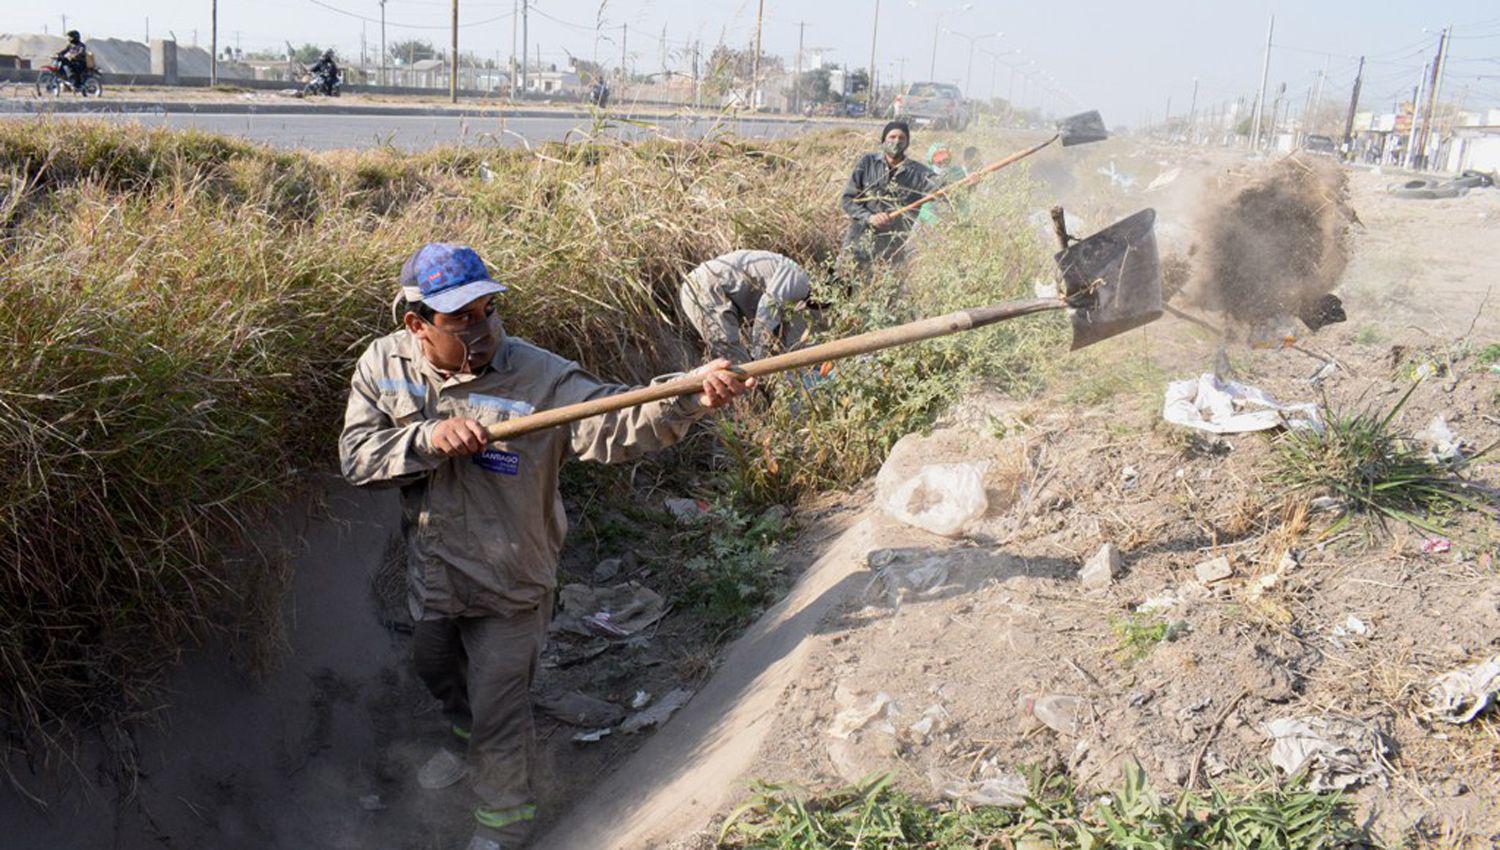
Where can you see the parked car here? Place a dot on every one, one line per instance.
(940, 105)
(1320, 144)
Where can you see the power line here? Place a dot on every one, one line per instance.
(444, 27)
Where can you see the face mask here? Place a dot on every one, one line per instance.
(894, 147)
(480, 341)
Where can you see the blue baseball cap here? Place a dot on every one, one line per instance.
(446, 277)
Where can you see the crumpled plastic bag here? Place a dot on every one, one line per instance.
(615, 612)
(993, 786)
(1338, 753)
(1229, 407)
(943, 498)
(1458, 696)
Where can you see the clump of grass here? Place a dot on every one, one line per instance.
(1361, 458)
(1137, 635)
(1263, 814)
(1489, 355)
(729, 568)
(182, 311)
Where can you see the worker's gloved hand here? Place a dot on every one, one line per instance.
(721, 384)
(880, 220)
(459, 437)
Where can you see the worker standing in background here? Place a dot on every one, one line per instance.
(484, 523)
(881, 182)
(947, 172)
(766, 291)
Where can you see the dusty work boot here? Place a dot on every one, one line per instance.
(443, 770)
(502, 829)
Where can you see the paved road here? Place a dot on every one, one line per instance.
(413, 132)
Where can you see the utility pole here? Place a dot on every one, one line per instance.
(697, 74)
(383, 54)
(1433, 90)
(1359, 79)
(797, 63)
(624, 33)
(524, 38)
(1411, 132)
(65, 25)
(874, 29)
(1260, 98)
(213, 39)
(364, 57)
(1193, 116)
(453, 59)
(148, 30)
(760, 17)
(1276, 112)
(664, 54)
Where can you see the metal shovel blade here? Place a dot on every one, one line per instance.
(1082, 128)
(1114, 276)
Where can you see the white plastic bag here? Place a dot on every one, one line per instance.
(943, 498)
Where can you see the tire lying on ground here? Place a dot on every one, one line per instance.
(1426, 189)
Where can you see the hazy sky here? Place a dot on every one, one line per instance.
(1125, 58)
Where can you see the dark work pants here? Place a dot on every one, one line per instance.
(481, 669)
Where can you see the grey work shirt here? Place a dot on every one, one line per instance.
(760, 286)
(483, 533)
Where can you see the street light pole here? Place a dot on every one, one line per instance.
(760, 17)
(453, 60)
(213, 40)
(382, 44)
(874, 29)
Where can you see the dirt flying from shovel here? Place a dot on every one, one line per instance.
(1274, 246)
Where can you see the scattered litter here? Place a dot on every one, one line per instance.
(640, 700)
(372, 803)
(1351, 627)
(1458, 696)
(579, 709)
(1229, 407)
(1327, 505)
(853, 719)
(1436, 545)
(607, 570)
(992, 786)
(1101, 569)
(930, 718)
(1140, 698)
(1044, 289)
(1129, 477)
(656, 714)
(1164, 601)
(590, 737)
(1117, 177)
(1442, 446)
(1060, 713)
(1263, 585)
(1214, 569)
(942, 498)
(615, 612)
(1337, 753)
(1166, 178)
(561, 654)
(686, 510)
(1288, 562)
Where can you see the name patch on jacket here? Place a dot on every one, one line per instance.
(494, 460)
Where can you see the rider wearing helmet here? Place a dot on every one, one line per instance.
(326, 70)
(74, 59)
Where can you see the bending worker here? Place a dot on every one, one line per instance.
(881, 182)
(765, 290)
(484, 523)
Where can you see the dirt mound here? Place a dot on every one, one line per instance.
(1275, 245)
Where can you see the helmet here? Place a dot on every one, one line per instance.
(328, 54)
(74, 36)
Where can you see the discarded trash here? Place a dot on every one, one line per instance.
(590, 737)
(1436, 545)
(372, 803)
(1166, 178)
(1117, 177)
(561, 654)
(656, 714)
(851, 720)
(930, 719)
(942, 498)
(640, 700)
(1229, 407)
(991, 787)
(580, 709)
(1327, 504)
(1442, 446)
(1214, 569)
(1351, 627)
(616, 612)
(1101, 569)
(686, 510)
(442, 770)
(1338, 753)
(1129, 477)
(607, 570)
(1458, 696)
(1060, 713)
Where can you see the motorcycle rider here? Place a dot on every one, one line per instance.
(74, 60)
(326, 71)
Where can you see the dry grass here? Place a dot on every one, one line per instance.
(182, 310)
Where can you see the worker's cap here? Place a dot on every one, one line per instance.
(896, 124)
(446, 277)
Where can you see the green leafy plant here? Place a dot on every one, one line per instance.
(1490, 354)
(1137, 635)
(1361, 458)
(729, 568)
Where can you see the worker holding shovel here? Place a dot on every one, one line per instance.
(881, 183)
(761, 289)
(483, 520)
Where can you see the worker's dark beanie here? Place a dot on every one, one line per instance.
(895, 125)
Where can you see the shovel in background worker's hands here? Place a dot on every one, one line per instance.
(722, 383)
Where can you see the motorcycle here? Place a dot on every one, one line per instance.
(324, 84)
(53, 80)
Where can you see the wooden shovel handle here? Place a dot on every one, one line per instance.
(838, 349)
(972, 178)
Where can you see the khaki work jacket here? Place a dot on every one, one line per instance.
(483, 533)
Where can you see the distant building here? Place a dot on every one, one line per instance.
(117, 56)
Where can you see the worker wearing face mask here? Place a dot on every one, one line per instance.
(484, 522)
(883, 181)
